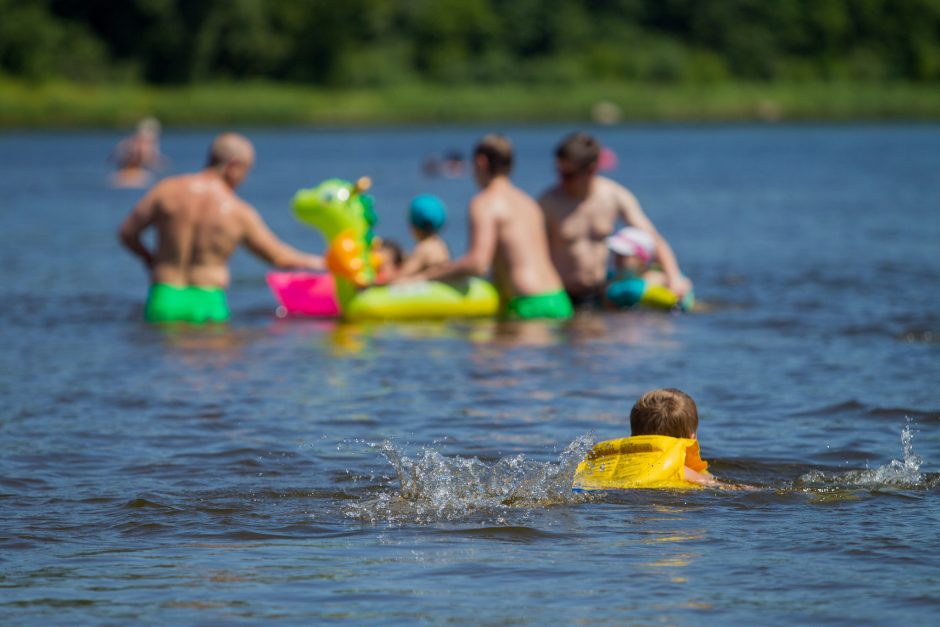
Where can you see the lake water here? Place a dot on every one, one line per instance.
(298, 471)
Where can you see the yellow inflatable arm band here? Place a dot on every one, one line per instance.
(642, 461)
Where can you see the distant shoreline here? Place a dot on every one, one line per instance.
(70, 105)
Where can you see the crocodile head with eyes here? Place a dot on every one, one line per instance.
(344, 214)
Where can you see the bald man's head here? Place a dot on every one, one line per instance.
(232, 155)
(229, 147)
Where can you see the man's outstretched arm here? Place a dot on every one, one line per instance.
(261, 241)
(633, 215)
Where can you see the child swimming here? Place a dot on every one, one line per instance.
(661, 452)
(427, 216)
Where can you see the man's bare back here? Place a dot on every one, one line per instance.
(199, 222)
(507, 235)
(521, 265)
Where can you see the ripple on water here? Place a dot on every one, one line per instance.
(853, 407)
(509, 533)
(920, 336)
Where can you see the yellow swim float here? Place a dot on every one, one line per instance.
(642, 461)
(344, 214)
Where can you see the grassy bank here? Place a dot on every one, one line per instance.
(64, 105)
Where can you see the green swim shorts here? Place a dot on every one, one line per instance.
(555, 305)
(169, 303)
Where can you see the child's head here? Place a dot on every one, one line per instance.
(632, 248)
(427, 214)
(666, 411)
(391, 254)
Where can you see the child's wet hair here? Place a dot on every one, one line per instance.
(666, 411)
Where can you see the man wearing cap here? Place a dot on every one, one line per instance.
(507, 234)
(582, 210)
(427, 216)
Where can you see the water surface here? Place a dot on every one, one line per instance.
(301, 470)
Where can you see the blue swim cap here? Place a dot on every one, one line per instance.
(427, 212)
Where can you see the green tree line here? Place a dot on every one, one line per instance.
(353, 43)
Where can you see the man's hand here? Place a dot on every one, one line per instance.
(413, 278)
(678, 286)
(313, 262)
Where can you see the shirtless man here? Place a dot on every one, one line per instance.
(199, 223)
(507, 233)
(582, 210)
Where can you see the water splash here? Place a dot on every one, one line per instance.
(434, 487)
(903, 473)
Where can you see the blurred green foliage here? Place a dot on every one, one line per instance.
(368, 43)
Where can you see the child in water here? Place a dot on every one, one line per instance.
(661, 452)
(427, 215)
(673, 413)
(633, 252)
(391, 257)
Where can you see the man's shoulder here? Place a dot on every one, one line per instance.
(177, 181)
(608, 193)
(606, 184)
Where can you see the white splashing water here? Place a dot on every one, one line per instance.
(434, 487)
(904, 473)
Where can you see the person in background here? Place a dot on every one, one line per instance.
(507, 235)
(199, 222)
(391, 257)
(581, 211)
(633, 253)
(450, 165)
(427, 216)
(138, 156)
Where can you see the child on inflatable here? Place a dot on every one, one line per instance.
(661, 452)
(391, 258)
(427, 216)
(632, 250)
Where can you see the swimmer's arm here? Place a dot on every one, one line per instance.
(262, 242)
(693, 476)
(140, 217)
(479, 257)
(631, 213)
(707, 480)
